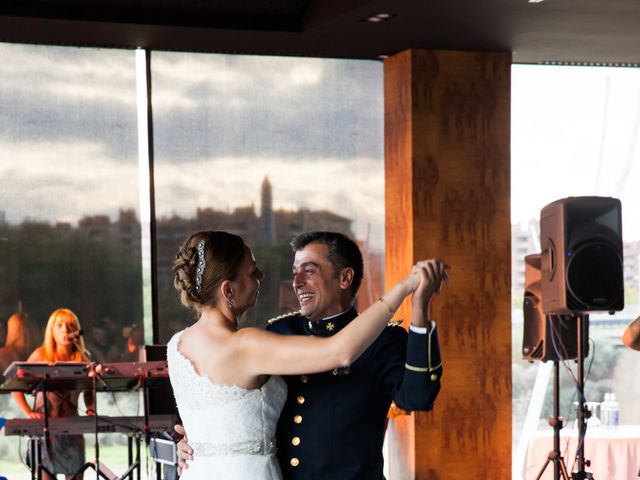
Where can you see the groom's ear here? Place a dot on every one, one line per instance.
(346, 278)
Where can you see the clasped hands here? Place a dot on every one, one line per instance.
(429, 274)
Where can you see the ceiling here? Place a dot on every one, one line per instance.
(554, 31)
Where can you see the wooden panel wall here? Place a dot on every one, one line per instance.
(447, 171)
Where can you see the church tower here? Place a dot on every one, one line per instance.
(267, 233)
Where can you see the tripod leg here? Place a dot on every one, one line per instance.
(130, 454)
(563, 470)
(31, 457)
(39, 459)
(544, 467)
(86, 466)
(139, 472)
(558, 462)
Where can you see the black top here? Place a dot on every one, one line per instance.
(333, 424)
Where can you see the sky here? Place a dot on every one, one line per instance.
(68, 144)
(222, 123)
(574, 133)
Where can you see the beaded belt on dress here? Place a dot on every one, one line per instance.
(248, 447)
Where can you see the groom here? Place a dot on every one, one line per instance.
(333, 424)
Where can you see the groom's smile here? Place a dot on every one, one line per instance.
(317, 284)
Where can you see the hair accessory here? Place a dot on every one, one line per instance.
(201, 265)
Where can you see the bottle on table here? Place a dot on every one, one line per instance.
(610, 411)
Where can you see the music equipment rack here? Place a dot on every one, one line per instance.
(31, 377)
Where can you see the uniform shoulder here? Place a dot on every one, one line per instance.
(394, 332)
(289, 315)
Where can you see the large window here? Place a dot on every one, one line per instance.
(69, 228)
(260, 146)
(70, 236)
(574, 133)
(267, 148)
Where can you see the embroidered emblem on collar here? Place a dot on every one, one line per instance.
(330, 326)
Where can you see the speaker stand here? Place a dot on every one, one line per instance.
(555, 456)
(583, 413)
(559, 467)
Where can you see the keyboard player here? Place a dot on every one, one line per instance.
(62, 343)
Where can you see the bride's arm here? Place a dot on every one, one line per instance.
(268, 353)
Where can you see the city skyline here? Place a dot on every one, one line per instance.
(315, 126)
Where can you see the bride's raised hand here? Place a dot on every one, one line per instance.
(431, 273)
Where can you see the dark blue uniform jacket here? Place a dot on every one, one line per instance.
(333, 424)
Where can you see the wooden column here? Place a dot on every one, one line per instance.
(447, 172)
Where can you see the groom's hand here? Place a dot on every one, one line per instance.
(184, 450)
(431, 273)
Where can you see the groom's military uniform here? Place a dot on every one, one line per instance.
(333, 424)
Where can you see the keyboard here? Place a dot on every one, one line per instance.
(86, 424)
(30, 376)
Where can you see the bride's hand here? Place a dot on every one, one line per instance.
(185, 452)
(431, 274)
(436, 271)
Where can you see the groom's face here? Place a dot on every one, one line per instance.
(316, 283)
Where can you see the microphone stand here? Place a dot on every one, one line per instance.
(96, 445)
(93, 367)
(42, 386)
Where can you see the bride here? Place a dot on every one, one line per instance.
(225, 379)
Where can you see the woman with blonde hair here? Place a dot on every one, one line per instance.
(22, 338)
(66, 453)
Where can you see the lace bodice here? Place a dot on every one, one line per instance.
(224, 420)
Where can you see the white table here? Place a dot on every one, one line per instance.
(614, 453)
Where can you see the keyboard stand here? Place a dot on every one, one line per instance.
(105, 472)
(35, 446)
(102, 470)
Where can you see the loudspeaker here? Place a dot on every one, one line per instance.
(545, 337)
(161, 399)
(581, 262)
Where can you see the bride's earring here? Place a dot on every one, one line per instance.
(230, 303)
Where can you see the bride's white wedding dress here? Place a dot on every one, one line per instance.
(231, 429)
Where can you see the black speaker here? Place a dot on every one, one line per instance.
(161, 399)
(581, 260)
(545, 337)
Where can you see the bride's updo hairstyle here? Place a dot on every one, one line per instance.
(205, 260)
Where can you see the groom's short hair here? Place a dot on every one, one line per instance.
(342, 252)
